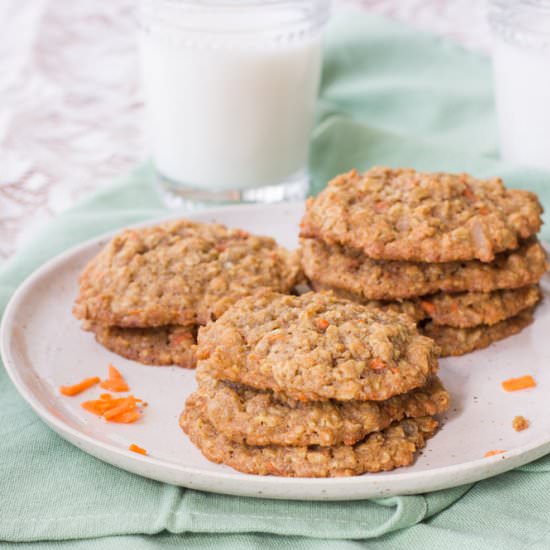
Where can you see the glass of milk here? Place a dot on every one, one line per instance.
(230, 89)
(521, 60)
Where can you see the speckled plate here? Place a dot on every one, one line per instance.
(43, 348)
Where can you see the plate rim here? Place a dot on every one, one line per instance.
(260, 486)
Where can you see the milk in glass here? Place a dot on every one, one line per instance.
(231, 90)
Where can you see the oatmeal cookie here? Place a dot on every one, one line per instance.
(459, 341)
(402, 214)
(179, 273)
(316, 347)
(391, 448)
(461, 310)
(170, 345)
(335, 267)
(257, 417)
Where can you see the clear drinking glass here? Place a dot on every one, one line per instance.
(521, 59)
(230, 90)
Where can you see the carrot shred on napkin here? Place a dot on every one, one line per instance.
(493, 453)
(521, 383)
(80, 387)
(115, 382)
(137, 449)
(124, 410)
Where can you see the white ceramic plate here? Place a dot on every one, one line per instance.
(44, 348)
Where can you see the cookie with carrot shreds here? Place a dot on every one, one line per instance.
(315, 347)
(262, 417)
(459, 341)
(402, 214)
(168, 345)
(394, 447)
(460, 310)
(179, 273)
(332, 266)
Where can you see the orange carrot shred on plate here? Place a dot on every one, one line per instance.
(137, 449)
(115, 382)
(521, 383)
(493, 453)
(114, 372)
(80, 387)
(126, 417)
(127, 404)
(114, 385)
(123, 410)
(97, 406)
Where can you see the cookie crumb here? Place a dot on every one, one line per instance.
(520, 423)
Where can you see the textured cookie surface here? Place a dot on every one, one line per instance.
(257, 417)
(459, 341)
(401, 214)
(391, 448)
(179, 273)
(315, 347)
(461, 310)
(346, 269)
(170, 345)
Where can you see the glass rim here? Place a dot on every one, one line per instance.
(307, 16)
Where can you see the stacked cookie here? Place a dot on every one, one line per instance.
(458, 254)
(312, 386)
(147, 292)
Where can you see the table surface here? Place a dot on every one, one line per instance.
(68, 127)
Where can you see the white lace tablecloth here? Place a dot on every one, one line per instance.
(71, 105)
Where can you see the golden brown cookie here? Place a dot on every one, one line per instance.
(461, 310)
(171, 345)
(391, 448)
(316, 347)
(179, 273)
(257, 417)
(351, 271)
(459, 341)
(402, 214)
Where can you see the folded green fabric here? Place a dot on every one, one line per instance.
(389, 96)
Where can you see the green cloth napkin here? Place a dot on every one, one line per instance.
(389, 96)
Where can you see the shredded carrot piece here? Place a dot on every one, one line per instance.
(181, 338)
(114, 385)
(80, 387)
(137, 449)
(521, 383)
(377, 364)
(97, 406)
(493, 453)
(468, 193)
(115, 382)
(127, 404)
(123, 410)
(126, 417)
(114, 372)
(322, 324)
(428, 307)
